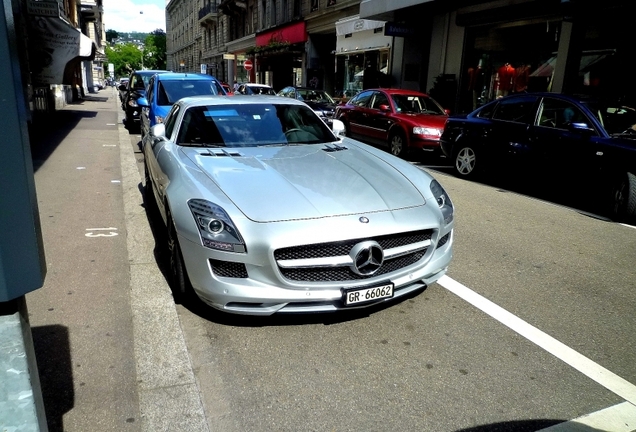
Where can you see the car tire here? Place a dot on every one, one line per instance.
(624, 198)
(466, 161)
(397, 144)
(181, 287)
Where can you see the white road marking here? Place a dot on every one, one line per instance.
(81, 168)
(594, 371)
(115, 181)
(618, 418)
(110, 233)
(109, 145)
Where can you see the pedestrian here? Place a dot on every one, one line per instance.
(236, 86)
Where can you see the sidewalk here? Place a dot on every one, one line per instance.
(108, 343)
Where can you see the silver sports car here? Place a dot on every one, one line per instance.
(269, 211)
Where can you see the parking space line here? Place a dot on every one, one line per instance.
(594, 371)
(617, 418)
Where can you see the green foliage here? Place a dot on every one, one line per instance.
(125, 57)
(111, 35)
(155, 50)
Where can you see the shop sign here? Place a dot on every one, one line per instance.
(229, 57)
(293, 33)
(399, 30)
(43, 8)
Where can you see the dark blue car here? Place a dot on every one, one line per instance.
(165, 89)
(581, 142)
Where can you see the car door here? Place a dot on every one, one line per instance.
(506, 138)
(378, 120)
(355, 117)
(557, 145)
(146, 112)
(152, 150)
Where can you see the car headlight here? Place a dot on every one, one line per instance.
(443, 201)
(418, 130)
(216, 229)
(132, 103)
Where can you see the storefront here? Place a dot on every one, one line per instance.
(569, 50)
(362, 55)
(279, 55)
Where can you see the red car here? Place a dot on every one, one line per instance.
(404, 120)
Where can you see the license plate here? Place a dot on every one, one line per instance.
(364, 295)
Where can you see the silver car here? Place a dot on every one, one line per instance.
(270, 211)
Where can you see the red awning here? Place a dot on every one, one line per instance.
(294, 33)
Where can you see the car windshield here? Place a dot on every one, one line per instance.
(171, 91)
(416, 104)
(252, 125)
(262, 90)
(616, 119)
(314, 96)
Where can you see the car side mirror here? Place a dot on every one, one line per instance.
(583, 128)
(384, 107)
(447, 111)
(143, 102)
(338, 128)
(158, 131)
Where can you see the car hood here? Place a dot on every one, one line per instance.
(305, 182)
(429, 120)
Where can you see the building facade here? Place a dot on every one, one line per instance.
(467, 53)
(56, 55)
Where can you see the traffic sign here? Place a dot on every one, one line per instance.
(248, 65)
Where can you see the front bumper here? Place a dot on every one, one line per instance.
(255, 284)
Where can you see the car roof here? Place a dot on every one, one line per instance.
(398, 91)
(191, 101)
(174, 76)
(256, 85)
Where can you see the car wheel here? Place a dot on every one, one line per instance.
(397, 144)
(466, 161)
(181, 287)
(624, 197)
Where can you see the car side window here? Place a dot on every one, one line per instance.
(379, 99)
(362, 99)
(171, 120)
(137, 83)
(151, 89)
(486, 111)
(516, 109)
(555, 113)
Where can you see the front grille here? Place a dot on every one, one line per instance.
(342, 248)
(323, 250)
(228, 269)
(341, 274)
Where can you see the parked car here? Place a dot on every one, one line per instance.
(255, 89)
(122, 87)
(589, 143)
(136, 88)
(167, 88)
(270, 211)
(403, 120)
(318, 100)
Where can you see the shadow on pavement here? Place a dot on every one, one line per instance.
(46, 132)
(53, 355)
(526, 426)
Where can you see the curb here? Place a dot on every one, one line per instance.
(169, 397)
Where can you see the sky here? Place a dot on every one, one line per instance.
(143, 16)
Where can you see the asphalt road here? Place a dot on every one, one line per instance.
(533, 326)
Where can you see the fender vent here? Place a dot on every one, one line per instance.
(329, 148)
(221, 153)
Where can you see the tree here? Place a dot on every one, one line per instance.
(125, 57)
(111, 35)
(155, 50)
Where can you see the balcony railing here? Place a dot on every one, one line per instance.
(207, 13)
